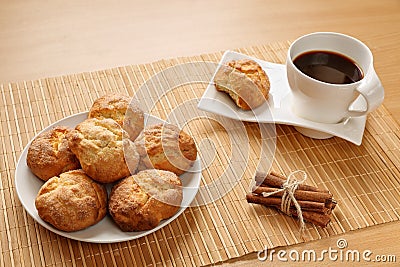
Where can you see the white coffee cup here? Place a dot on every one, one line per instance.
(324, 102)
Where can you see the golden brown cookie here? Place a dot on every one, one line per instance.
(245, 82)
(71, 201)
(105, 155)
(49, 154)
(165, 147)
(122, 109)
(139, 202)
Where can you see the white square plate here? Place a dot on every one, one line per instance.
(278, 107)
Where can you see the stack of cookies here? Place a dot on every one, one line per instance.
(112, 146)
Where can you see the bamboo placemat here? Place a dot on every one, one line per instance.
(364, 179)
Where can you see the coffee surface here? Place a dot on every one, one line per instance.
(329, 67)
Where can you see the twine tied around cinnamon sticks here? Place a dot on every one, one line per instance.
(291, 196)
(288, 189)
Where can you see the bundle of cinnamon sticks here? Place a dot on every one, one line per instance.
(316, 204)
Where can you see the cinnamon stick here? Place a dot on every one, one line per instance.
(322, 197)
(276, 181)
(313, 216)
(277, 201)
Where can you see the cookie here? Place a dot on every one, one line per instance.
(244, 81)
(49, 154)
(122, 109)
(104, 151)
(166, 147)
(141, 201)
(71, 201)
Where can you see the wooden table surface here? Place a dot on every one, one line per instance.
(45, 38)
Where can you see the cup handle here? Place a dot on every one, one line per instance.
(372, 91)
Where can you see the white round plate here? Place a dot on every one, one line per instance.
(106, 231)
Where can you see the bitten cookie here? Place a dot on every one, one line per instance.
(49, 154)
(166, 147)
(245, 82)
(141, 201)
(122, 109)
(103, 152)
(71, 201)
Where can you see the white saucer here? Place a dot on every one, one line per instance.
(278, 107)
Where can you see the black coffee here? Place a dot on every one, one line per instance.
(328, 67)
